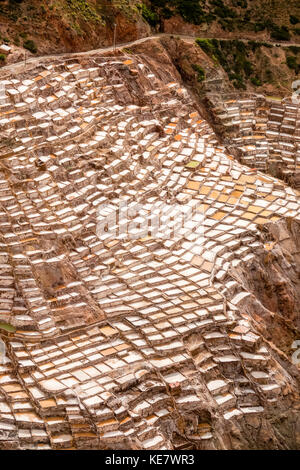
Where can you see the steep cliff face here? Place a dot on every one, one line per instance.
(69, 25)
(275, 273)
(273, 277)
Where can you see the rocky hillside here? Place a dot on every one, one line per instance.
(226, 66)
(70, 25)
(274, 19)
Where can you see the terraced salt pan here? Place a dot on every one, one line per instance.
(116, 336)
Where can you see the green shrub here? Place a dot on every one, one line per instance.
(240, 3)
(239, 45)
(149, 15)
(83, 9)
(294, 19)
(227, 24)
(239, 84)
(269, 76)
(248, 68)
(281, 33)
(266, 44)
(255, 81)
(16, 40)
(232, 55)
(291, 62)
(294, 49)
(167, 13)
(254, 45)
(191, 11)
(30, 45)
(259, 27)
(200, 72)
(223, 12)
(206, 45)
(2, 57)
(257, 44)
